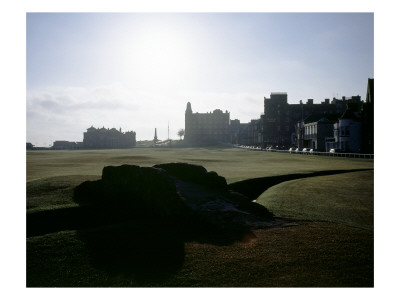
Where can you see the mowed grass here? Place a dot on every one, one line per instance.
(310, 254)
(234, 164)
(52, 175)
(343, 198)
(53, 192)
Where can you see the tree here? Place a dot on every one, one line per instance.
(181, 133)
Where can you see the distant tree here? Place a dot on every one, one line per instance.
(181, 133)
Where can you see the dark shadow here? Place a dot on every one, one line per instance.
(150, 248)
(139, 242)
(146, 242)
(253, 188)
(149, 251)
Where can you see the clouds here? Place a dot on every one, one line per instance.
(64, 113)
(69, 100)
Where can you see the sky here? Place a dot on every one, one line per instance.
(137, 71)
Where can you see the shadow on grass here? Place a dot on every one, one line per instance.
(149, 252)
(142, 244)
(150, 248)
(253, 188)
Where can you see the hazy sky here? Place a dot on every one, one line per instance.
(137, 71)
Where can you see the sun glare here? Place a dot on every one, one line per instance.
(159, 56)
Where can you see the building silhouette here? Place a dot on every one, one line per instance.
(315, 131)
(281, 118)
(347, 132)
(345, 124)
(367, 119)
(206, 128)
(66, 145)
(350, 131)
(102, 138)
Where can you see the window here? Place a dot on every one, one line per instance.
(345, 131)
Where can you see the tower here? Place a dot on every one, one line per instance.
(155, 135)
(188, 122)
(188, 108)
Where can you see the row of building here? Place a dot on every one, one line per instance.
(102, 138)
(344, 124)
(96, 138)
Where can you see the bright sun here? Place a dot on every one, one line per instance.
(159, 56)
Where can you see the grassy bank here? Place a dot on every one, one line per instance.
(343, 198)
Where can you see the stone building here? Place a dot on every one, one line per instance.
(350, 131)
(254, 132)
(235, 129)
(108, 138)
(281, 118)
(347, 132)
(206, 128)
(245, 133)
(284, 125)
(29, 146)
(66, 145)
(314, 130)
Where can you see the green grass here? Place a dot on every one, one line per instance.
(314, 253)
(53, 192)
(343, 198)
(233, 164)
(311, 255)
